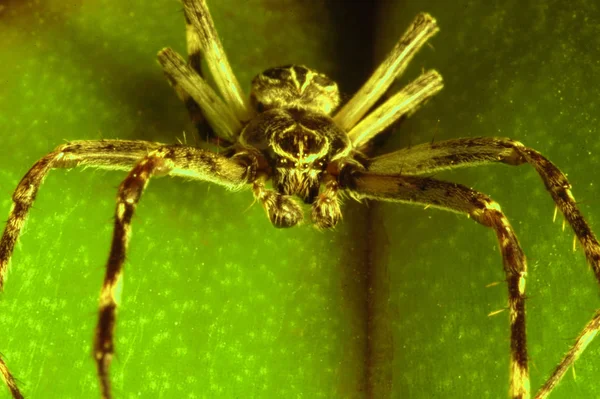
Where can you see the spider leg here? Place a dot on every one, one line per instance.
(194, 51)
(9, 380)
(430, 158)
(111, 155)
(194, 61)
(220, 117)
(197, 117)
(187, 162)
(450, 154)
(461, 199)
(172, 160)
(422, 28)
(583, 340)
(104, 154)
(205, 38)
(405, 102)
(281, 209)
(326, 211)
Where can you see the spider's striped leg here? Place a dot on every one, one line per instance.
(188, 162)
(9, 380)
(103, 154)
(403, 103)
(204, 37)
(197, 117)
(430, 158)
(583, 340)
(194, 51)
(422, 28)
(220, 117)
(461, 199)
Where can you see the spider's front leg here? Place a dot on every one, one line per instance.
(281, 209)
(102, 154)
(433, 157)
(189, 162)
(458, 198)
(467, 152)
(9, 380)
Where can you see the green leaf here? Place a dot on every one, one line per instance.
(219, 304)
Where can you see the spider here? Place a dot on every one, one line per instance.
(293, 134)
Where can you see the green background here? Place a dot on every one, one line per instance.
(219, 304)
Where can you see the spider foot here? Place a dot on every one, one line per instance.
(103, 360)
(326, 211)
(104, 347)
(282, 210)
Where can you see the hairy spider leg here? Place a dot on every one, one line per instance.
(281, 209)
(461, 199)
(103, 154)
(583, 340)
(326, 210)
(422, 28)
(195, 62)
(205, 38)
(180, 161)
(434, 157)
(194, 51)
(187, 162)
(9, 380)
(403, 103)
(220, 117)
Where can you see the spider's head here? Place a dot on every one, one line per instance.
(300, 156)
(294, 86)
(300, 145)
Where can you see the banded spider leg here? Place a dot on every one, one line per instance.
(395, 177)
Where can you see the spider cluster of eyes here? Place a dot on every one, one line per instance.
(286, 163)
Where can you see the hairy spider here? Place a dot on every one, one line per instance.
(291, 133)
